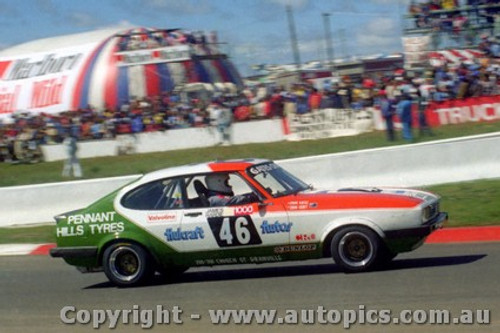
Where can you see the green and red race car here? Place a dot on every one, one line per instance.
(240, 212)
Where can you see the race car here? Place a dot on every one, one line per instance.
(240, 212)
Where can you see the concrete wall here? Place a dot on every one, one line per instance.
(268, 131)
(437, 162)
(446, 161)
(40, 203)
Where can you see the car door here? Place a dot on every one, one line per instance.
(236, 234)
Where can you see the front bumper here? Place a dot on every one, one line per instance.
(421, 231)
(74, 252)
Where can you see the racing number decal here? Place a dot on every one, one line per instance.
(234, 231)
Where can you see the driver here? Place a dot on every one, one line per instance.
(220, 193)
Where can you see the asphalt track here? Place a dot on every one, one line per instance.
(450, 277)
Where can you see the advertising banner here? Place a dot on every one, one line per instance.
(473, 109)
(153, 56)
(456, 111)
(41, 82)
(415, 49)
(328, 123)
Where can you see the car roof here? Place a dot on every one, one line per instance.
(206, 167)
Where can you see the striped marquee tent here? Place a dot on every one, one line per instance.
(108, 67)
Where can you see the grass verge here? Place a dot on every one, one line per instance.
(28, 234)
(141, 163)
(470, 203)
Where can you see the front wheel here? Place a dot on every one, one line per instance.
(355, 248)
(127, 264)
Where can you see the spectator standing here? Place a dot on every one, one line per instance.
(335, 97)
(441, 94)
(224, 121)
(85, 130)
(302, 104)
(74, 128)
(404, 113)
(276, 102)
(72, 164)
(221, 118)
(327, 100)
(50, 134)
(345, 95)
(314, 99)
(137, 125)
(96, 130)
(387, 109)
(422, 103)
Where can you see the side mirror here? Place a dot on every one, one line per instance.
(263, 204)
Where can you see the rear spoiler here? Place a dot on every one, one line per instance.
(64, 216)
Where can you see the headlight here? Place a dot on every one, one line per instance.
(430, 211)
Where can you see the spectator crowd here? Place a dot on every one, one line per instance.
(149, 39)
(453, 15)
(456, 23)
(169, 111)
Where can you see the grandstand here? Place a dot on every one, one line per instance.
(449, 30)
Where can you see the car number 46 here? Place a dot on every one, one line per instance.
(234, 231)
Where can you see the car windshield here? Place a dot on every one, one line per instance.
(275, 180)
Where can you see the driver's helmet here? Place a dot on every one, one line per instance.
(219, 183)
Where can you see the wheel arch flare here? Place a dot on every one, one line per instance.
(335, 226)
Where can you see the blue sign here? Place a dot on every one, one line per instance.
(275, 227)
(180, 235)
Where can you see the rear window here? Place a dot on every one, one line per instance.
(157, 195)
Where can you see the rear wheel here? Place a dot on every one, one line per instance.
(127, 264)
(355, 248)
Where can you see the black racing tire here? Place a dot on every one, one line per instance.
(356, 249)
(127, 264)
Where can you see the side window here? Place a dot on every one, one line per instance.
(157, 195)
(198, 192)
(191, 191)
(238, 185)
(143, 197)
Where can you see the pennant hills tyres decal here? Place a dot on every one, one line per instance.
(104, 72)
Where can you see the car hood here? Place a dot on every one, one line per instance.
(359, 198)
